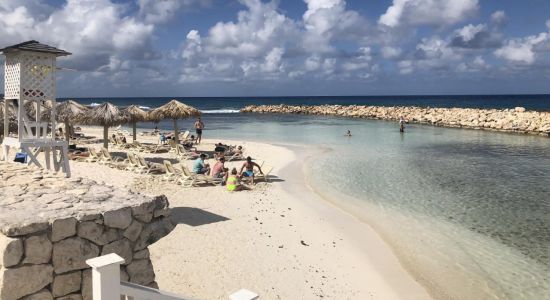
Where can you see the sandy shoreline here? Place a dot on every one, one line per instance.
(280, 240)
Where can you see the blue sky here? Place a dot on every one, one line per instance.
(289, 47)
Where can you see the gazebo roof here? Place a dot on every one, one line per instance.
(36, 47)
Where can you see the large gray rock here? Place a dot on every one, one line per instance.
(133, 231)
(25, 280)
(121, 247)
(13, 250)
(86, 291)
(70, 297)
(153, 232)
(38, 250)
(71, 254)
(63, 228)
(24, 228)
(41, 295)
(141, 271)
(142, 254)
(65, 284)
(145, 211)
(97, 233)
(120, 218)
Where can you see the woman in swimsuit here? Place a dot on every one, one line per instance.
(233, 183)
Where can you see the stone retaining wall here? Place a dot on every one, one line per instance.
(51, 225)
(510, 120)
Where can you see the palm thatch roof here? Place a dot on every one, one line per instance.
(135, 114)
(105, 114)
(45, 109)
(174, 110)
(70, 111)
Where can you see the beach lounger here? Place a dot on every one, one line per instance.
(170, 172)
(183, 153)
(198, 178)
(132, 163)
(147, 167)
(265, 176)
(111, 161)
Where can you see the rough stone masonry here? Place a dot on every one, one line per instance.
(50, 225)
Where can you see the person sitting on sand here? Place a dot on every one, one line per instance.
(218, 170)
(199, 166)
(248, 166)
(233, 182)
(162, 139)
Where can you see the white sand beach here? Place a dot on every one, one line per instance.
(279, 240)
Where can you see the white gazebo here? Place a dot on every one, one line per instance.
(30, 77)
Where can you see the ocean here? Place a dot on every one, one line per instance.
(467, 212)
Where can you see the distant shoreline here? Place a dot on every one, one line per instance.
(517, 120)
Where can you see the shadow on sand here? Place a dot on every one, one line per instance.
(193, 216)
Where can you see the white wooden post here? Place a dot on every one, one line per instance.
(106, 276)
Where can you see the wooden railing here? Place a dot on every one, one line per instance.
(106, 284)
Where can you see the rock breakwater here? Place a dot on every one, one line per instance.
(510, 120)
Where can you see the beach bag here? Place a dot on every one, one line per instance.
(21, 157)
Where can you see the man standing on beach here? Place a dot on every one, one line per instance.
(199, 126)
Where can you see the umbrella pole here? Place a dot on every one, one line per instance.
(176, 133)
(134, 130)
(106, 136)
(67, 133)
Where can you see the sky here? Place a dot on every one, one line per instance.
(213, 48)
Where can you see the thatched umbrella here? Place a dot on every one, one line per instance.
(174, 110)
(69, 112)
(134, 114)
(106, 115)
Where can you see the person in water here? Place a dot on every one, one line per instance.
(348, 133)
(401, 124)
(248, 168)
(233, 181)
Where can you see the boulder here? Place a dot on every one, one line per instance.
(141, 271)
(25, 280)
(142, 254)
(70, 297)
(133, 231)
(13, 250)
(63, 228)
(38, 250)
(65, 284)
(41, 295)
(86, 291)
(519, 109)
(71, 254)
(121, 247)
(120, 218)
(97, 233)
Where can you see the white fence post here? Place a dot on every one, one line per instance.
(106, 276)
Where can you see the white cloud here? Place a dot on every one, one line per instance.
(499, 17)
(525, 50)
(428, 12)
(161, 11)
(390, 52)
(476, 37)
(329, 20)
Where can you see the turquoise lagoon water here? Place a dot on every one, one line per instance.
(466, 211)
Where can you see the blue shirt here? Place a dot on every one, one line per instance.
(198, 165)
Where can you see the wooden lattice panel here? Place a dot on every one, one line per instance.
(37, 76)
(12, 76)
